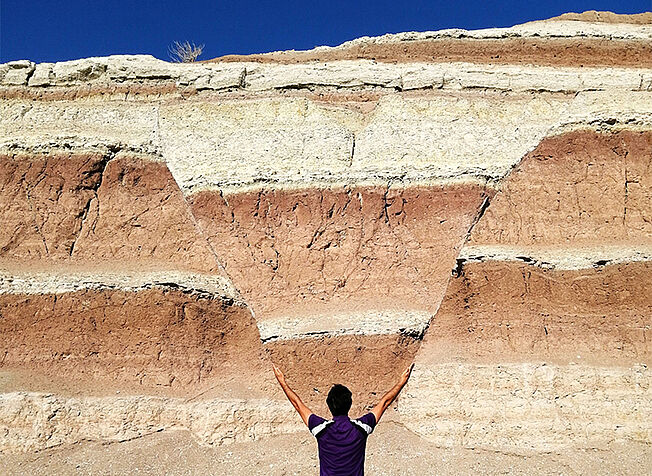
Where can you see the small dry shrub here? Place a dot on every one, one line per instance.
(185, 52)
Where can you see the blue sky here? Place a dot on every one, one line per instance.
(69, 29)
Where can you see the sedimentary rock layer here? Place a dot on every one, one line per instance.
(33, 421)
(314, 251)
(529, 406)
(576, 189)
(498, 311)
(96, 211)
(644, 18)
(368, 365)
(330, 78)
(146, 339)
(539, 51)
(549, 306)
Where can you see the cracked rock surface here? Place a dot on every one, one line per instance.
(478, 202)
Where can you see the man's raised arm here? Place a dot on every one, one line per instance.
(296, 402)
(390, 396)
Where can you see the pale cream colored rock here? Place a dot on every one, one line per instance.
(356, 74)
(345, 74)
(631, 109)
(16, 73)
(352, 323)
(552, 29)
(79, 71)
(35, 421)
(559, 258)
(528, 406)
(43, 75)
(452, 135)
(77, 124)
(245, 142)
(57, 282)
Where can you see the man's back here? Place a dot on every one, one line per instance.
(341, 443)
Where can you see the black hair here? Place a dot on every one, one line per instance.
(339, 400)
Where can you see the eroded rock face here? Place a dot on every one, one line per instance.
(290, 252)
(138, 340)
(478, 202)
(96, 210)
(580, 189)
(551, 292)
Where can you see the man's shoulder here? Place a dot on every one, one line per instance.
(317, 424)
(366, 422)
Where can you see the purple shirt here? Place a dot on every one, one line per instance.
(341, 443)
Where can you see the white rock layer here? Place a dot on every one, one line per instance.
(529, 406)
(34, 421)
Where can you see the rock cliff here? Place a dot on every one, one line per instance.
(479, 202)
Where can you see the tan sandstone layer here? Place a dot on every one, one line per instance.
(543, 52)
(606, 17)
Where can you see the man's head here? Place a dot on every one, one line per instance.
(339, 400)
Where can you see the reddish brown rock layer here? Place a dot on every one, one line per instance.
(88, 209)
(535, 51)
(504, 311)
(577, 189)
(42, 202)
(605, 17)
(368, 365)
(146, 341)
(337, 250)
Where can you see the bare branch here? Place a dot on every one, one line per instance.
(185, 52)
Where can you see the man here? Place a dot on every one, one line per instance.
(342, 441)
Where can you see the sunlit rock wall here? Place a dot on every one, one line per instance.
(476, 201)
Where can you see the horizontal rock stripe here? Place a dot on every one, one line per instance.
(497, 311)
(529, 406)
(409, 323)
(148, 339)
(368, 365)
(59, 281)
(151, 78)
(96, 211)
(34, 421)
(579, 189)
(559, 52)
(567, 257)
